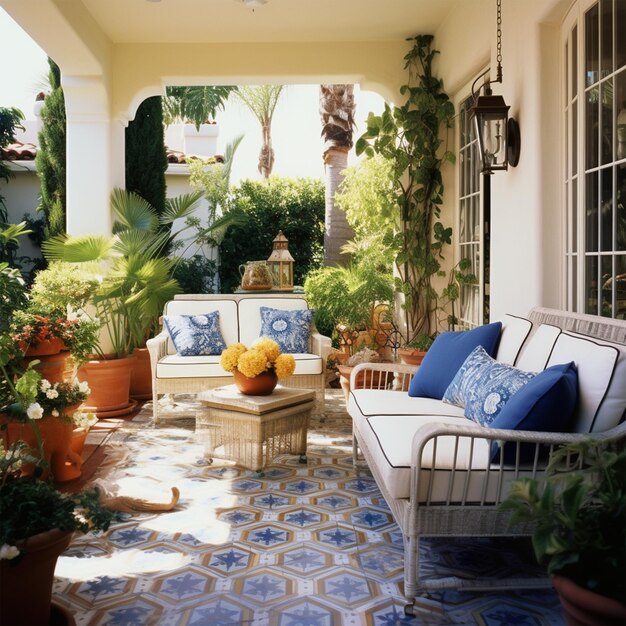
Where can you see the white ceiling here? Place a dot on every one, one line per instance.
(206, 21)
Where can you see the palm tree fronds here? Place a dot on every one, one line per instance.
(180, 206)
(131, 211)
(78, 249)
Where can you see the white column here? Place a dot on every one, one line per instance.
(95, 155)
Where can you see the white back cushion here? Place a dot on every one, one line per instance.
(596, 364)
(612, 409)
(515, 330)
(227, 310)
(536, 351)
(250, 314)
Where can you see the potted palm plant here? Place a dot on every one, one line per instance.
(580, 515)
(134, 283)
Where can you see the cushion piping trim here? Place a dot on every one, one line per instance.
(530, 328)
(603, 345)
(554, 344)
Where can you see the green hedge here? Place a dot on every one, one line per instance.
(295, 206)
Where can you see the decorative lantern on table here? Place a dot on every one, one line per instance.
(281, 264)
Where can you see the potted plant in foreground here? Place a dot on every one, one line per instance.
(580, 516)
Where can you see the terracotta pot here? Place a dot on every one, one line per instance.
(56, 436)
(53, 367)
(45, 347)
(141, 376)
(411, 356)
(26, 589)
(261, 385)
(373, 379)
(586, 608)
(71, 468)
(109, 381)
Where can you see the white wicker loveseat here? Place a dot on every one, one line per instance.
(435, 467)
(240, 321)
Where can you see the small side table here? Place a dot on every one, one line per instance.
(252, 430)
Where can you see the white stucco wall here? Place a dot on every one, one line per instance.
(525, 201)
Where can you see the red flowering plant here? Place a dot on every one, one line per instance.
(77, 334)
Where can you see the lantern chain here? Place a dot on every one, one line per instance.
(499, 42)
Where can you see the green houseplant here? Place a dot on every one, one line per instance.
(580, 515)
(134, 281)
(410, 138)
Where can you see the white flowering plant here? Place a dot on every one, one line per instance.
(84, 420)
(35, 397)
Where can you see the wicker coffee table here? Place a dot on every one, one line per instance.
(252, 430)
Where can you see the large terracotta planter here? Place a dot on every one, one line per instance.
(141, 375)
(582, 607)
(56, 436)
(109, 381)
(46, 347)
(26, 582)
(261, 385)
(53, 367)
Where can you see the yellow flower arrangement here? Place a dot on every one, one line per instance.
(264, 354)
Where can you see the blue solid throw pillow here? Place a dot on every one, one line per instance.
(447, 354)
(483, 386)
(546, 404)
(196, 335)
(289, 329)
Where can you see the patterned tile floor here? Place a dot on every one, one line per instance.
(305, 545)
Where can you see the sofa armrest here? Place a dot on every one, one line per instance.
(394, 376)
(321, 345)
(464, 441)
(157, 347)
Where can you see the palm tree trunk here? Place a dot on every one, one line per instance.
(337, 116)
(337, 231)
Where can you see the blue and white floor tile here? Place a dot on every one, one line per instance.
(303, 545)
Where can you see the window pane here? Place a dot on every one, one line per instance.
(620, 33)
(620, 286)
(575, 138)
(591, 45)
(606, 306)
(575, 61)
(606, 115)
(575, 215)
(620, 215)
(606, 210)
(575, 282)
(592, 123)
(591, 212)
(591, 285)
(620, 101)
(606, 37)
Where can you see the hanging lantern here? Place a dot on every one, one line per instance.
(281, 264)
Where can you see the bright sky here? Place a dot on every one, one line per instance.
(295, 128)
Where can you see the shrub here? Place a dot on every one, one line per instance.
(295, 206)
(196, 274)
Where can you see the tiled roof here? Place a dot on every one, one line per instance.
(18, 151)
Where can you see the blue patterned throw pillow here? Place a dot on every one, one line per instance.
(289, 329)
(196, 335)
(483, 386)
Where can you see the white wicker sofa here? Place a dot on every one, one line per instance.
(435, 467)
(240, 321)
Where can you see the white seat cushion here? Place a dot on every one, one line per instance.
(536, 350)
(174, 366)
(597, 363)
(383, 402)
(515, 331)
(389, 439)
